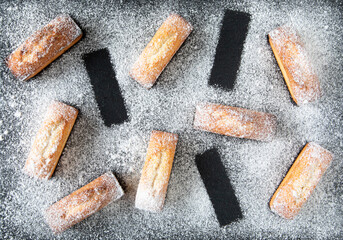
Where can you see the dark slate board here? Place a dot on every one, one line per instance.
(218, 186)
(105, 86)
(229, 49)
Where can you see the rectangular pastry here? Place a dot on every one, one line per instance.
(154, 180)
(160, 50)
(302, 82)
(43, 47)
(300, 180)
(235, 122)
(50, 140)
(82, 203)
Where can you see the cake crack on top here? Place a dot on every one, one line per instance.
(43, 47)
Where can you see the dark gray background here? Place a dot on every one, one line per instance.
(255, 168)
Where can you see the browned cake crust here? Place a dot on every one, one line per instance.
(302, 82)
(160, 50)
(83, 202)
(300, 180)
(43, 47)
(154, 180)
(50, 140)
(235, 122)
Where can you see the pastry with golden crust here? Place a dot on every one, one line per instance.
(300, 180)
(235, 122)
(160, 50)
(50, 140)
(154, 180)
(82, 203)
(43, 47)
(302, 82)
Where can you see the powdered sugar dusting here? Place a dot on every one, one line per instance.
(83, 202)
(295, 64)
(159, 51)
(43, 46)
(255, 168)
(235, 122)
(153, 184)
(301, 180)
(50, 140)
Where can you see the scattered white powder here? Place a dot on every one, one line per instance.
(255, 168)
(17, 114)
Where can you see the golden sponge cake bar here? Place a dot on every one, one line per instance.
(300, 180)
(50, 140)
(82, 203)
(43, 47)
(301, 80)
(160, 50)
(154, 180)
(234, 121)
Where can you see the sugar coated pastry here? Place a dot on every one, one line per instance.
(160, 50)
(235, 122)
(43, 47)
(50, 140)
(300, 180)
(302, 82)
(82, 203)
(154, 180)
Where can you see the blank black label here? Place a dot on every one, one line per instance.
(229, 49)
(105, 86)
(218, 187)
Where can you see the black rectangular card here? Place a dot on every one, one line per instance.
(218, 187)
(229, 49)
(105, 86)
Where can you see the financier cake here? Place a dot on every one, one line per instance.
(43, 47)
(84, 202)
(234, 121)
(160, 50)
(154, 180)
(50, 140)
(300, 180)
(301, 80)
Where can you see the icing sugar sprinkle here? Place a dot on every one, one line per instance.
(255, 168)
(17, 114)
